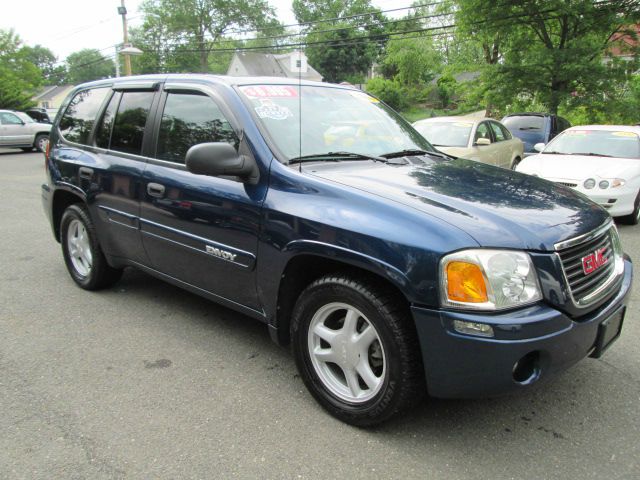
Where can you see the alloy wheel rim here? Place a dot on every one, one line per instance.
(346, 352)
(42, 144)
(79, 248)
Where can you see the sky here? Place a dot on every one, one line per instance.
(66, 26)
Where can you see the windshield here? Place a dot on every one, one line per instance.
(525, 122)
(331, 119)
(25, 118)
(446, 134)
(596, 142)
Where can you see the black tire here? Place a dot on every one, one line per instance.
(402, 384)
(98, 273)
(26, 149)
(38, 142)
(515, 163)
(634, 217)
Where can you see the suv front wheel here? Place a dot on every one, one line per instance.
(356, 350)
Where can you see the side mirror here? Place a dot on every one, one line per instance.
(538, 147)
(220, 159)
(483, 141)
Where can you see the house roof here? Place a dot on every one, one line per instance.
(49, 92)
(624, 43)
(268, 64)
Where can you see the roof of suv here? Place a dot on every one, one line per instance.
(205, 77)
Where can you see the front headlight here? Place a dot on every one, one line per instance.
(482, 279)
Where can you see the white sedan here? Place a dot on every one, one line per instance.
(601, 161)
(483, 140)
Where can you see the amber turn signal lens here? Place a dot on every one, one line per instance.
(465, 283)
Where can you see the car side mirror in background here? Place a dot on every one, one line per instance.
(218, 159)
(538, 147)
(483, 141)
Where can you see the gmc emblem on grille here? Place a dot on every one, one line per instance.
(594, 261)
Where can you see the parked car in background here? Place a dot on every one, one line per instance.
(483, 140)
(38, 114)
(19, 130)
(534, 128)
(601, 161)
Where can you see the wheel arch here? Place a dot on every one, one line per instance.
(304, 267)
(62, 199)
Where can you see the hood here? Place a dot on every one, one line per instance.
(578, 167)
(497, 207)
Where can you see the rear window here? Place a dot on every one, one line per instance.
(128, 127)
(80, 115)
(524, 123)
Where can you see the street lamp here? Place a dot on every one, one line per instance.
(127, 49)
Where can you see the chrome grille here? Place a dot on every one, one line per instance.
(586, 288)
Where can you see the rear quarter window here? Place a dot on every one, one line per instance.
(129, 125)
(79, 117)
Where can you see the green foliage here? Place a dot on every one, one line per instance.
(198, 26)
(446, 88)
(20, 77)
(412, 61)
(46, 61)
(87, 65)
(341, 55)
(391, 92)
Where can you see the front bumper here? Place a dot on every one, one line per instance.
(464, 366)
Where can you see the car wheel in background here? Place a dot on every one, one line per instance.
(515, 163)
(41, 142)
(634, 217)
(82, 253)
(356, 349)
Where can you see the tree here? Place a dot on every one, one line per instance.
(342, 50)
(202, 24)
(47, 62)
(545, 50)
(87, 65)
(413, 61)
(20, 77)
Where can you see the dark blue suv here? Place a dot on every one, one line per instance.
(392, 269)
(533, 128)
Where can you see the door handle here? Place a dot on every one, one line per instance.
(155, 190)
(86, 173)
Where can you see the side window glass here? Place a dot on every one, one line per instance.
(190, 119)
(9, 119)
(128, 127)
(505, 132)
(103, 132)
(482, 132)
(497, 132)
(80, 115)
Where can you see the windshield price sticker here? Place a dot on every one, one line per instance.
(268, 109)
(624, 134)
(269, 91)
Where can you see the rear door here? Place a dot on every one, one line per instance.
(200, 230)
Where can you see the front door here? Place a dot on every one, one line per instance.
(198, 229)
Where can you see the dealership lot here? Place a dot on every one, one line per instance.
(147, 381)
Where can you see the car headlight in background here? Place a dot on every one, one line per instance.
(611, 183)
(589, 183)
(482, 279)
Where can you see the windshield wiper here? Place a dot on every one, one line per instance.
(417, 152)
(335, 157)
(591, 154)
(529, 128)
(555, 153)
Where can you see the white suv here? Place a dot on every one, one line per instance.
(19, 130)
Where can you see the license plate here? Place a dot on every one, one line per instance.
(608, 331)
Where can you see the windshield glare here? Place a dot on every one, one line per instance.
(331, 119)
(596, 142)
(446, 134)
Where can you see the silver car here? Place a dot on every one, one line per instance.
(19, 130)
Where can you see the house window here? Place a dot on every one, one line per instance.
(298, 63)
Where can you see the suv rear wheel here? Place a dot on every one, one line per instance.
(82, 253)
(41, 142)
(356, 350)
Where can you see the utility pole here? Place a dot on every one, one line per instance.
(122, 10)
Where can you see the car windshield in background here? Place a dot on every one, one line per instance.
(525, 123)
(608, 143)
(331, 119)
(24, 117)
(446, 134)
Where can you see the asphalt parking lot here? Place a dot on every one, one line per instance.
(147, 381)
